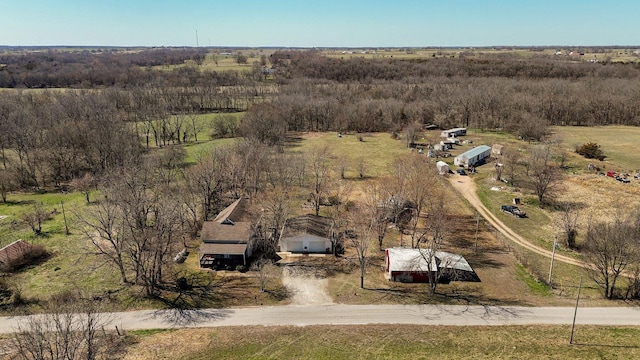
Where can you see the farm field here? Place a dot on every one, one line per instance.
(387, 342)
(619, 143)
(614, 55)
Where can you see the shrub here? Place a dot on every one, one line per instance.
(591, 150)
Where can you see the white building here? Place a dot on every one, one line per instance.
(473, 157)
(443, 167)
(453, 132)
(307, 234)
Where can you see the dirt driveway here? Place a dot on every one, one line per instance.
(307, 288)
(465, 186)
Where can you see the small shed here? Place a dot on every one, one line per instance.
(473, 157)
(497, 149)
(443, 167)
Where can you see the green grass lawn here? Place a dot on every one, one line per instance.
(619, 143)
(377, 150)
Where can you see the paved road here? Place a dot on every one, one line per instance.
(298, 315)
(466, 187)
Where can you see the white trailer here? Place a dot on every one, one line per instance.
(473, 157)
(443, 167)
(453, 132)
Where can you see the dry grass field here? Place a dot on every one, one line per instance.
(614, 55)
(389, 342)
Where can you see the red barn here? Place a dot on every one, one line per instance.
(417, 265)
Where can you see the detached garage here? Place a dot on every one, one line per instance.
(307, 234)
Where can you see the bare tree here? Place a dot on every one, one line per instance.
(420, 181)
(266, 270)
(85, 184)
(542, 171)
(7, 184)
(567, 220)
(276, 203)
(264, 123)
(340, 206)
(511, 160)
(610, 248)
(196, 126)
(70, 329)
(362, 224)
(377, 200)
(437, 227)
(36, 217)
(151, 222)
(206, 180)
(319, 165)
(411, 133)
(104, 227)
(361, 166)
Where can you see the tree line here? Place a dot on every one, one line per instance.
(318, 93)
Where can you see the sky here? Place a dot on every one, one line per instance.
(320, 23)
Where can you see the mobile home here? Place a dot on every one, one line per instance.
(473, 157)
(453, 132)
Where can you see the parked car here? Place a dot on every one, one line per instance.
(461, 172)
(513, 210)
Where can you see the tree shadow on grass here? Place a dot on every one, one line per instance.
(280, 294)
(292, 141)
(473, 297)
(11, 202)
(200, 290)
(480, 260)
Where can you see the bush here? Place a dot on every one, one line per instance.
(591, 150)
(334, 200)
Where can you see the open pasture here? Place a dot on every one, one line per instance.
(388, 342)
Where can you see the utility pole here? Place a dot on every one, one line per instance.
(64, 216)
(575, 312)
(197, 42)
(553, 255)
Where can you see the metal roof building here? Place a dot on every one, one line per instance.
(475, 156)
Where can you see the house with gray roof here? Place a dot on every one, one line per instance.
(227, 240)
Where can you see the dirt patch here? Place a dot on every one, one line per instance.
(305, 286)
